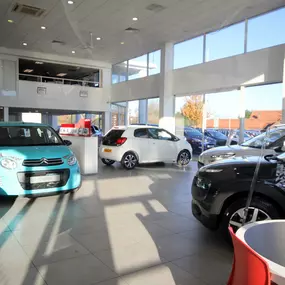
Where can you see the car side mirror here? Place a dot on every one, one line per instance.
(67, 142)
(278, 149)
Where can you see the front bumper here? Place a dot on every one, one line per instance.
(16, 182)
(208, 220)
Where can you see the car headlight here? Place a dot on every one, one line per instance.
(71, 160)
(224, 155)
(8, 163)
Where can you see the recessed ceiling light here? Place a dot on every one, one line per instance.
(39, 62)
(10, 21)
(61, 74)
(43, 27)
(25, 44)
(28, 70)
(70, 2)
(122, 43)
(98, 39)
(135, 18)
(73, 51)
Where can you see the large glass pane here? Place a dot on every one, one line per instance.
(138, 67)
(119, 72)
(266, 30)
(115, 115)
(153, 111)
(263, 106)
(226, 42)
(133, 109)
(154, 62)
(188, 53)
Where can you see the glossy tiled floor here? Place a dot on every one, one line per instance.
(121, 228)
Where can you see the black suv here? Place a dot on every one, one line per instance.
(220, 191)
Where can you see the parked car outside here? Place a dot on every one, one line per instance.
(274, 141)
(35, 160)
(253, 133)
(96, 132)
(220, 191)
(195, 138)
(220, 138)
(143, 144)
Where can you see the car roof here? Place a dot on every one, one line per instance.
(22, 124)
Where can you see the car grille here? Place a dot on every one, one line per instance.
(24, 179)
(42, 162)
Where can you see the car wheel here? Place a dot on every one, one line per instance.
(259, 210)
(107, 161)
(183, 158)
(129, 160)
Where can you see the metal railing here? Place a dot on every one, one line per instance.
(57, 80)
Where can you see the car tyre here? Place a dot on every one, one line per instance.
(129, 160)
(107, 161)
(260, 209)
(184, 157)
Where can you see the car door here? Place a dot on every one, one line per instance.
(162, 144)
(141, 144)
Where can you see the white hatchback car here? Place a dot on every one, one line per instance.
(143, 144)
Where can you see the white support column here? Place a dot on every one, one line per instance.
(242, 114)
(143, 111)
(166, 110)
(106, 122)
(283, 92)
(6, 114)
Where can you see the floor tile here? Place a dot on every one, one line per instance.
(166, 274)
(115, 281)
(64, 247)
(85, 270)
(218, 268)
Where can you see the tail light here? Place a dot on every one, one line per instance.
(120, 141)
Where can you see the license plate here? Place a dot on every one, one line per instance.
(107, 150)
(44, 179)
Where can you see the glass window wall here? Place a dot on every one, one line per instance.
(137, 67)
(154, 62)
(153, 111)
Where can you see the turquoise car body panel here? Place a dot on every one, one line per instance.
(9, 183)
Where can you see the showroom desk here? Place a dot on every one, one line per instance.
(267, 238)
(86, 151)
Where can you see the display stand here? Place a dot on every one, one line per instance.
(83, 145)
(86, 151)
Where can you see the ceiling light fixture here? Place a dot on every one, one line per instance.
(70, 2)
(122, 43)
(25, 44)
(73, 51)
(98, 39)
(43, 27)
(61, 74)
(28, 70)
(135, 18)
(10, 21)
(39, 62)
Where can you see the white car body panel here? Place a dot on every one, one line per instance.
(148, 150)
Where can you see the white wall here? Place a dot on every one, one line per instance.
(146, 87)
(258, 67)
(58, 96)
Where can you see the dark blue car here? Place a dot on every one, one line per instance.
(195, 138)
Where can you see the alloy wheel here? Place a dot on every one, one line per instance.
(184, 158)
(254, 215)
(130, 161)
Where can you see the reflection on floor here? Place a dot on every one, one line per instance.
(121, 228)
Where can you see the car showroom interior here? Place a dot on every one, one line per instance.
(142, 142)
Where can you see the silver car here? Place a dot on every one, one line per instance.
(274, 144)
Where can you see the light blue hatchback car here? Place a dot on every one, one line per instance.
(34, 160)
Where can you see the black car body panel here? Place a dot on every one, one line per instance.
(212, 191)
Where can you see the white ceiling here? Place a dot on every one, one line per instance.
(181, 19)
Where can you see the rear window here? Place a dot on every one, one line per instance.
(141, 133)
(112, 136)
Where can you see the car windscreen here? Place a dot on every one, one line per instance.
(28, 136)
(192, 133)
(111, 137)
(217, 135)
(271, 137)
